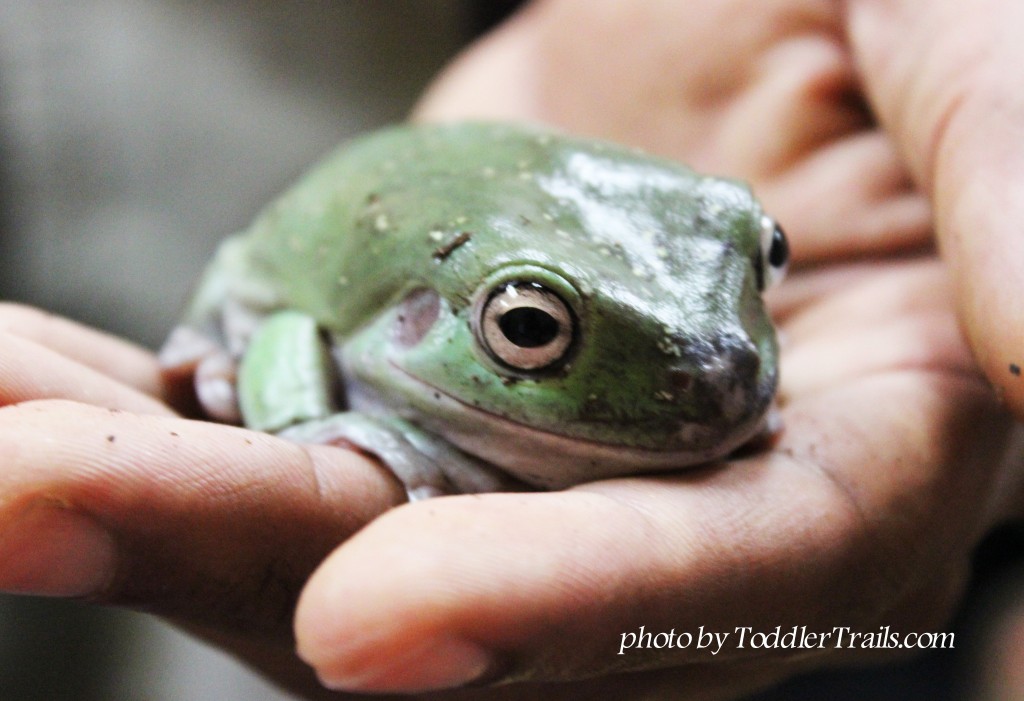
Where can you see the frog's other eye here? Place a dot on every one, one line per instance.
(526, 326)
(773, 257)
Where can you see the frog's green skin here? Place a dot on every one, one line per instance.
(395, 244)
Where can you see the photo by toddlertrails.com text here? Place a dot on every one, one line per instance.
(795, 638)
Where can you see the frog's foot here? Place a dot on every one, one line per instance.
(190, 356)
(426, 465)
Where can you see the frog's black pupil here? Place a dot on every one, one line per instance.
(528, 327)
(778, 254)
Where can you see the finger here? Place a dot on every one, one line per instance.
(212, 525)
(901, 313)
(846, 199)
(940, 77)
(107, 355)
(492, 80)
(29, 370)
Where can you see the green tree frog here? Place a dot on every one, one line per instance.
(486, 305)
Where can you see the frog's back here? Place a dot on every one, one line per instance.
(434, 206)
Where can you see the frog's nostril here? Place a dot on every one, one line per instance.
(745, 361)
(680, 381)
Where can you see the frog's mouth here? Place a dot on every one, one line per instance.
(546, 458)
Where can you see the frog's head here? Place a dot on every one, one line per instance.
(606, 319)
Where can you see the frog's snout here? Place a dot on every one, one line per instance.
(725, 382)
(745, 362)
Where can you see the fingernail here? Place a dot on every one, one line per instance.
(49, 550)
(431, 666)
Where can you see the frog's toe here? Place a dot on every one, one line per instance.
(424, 492)
(192, 365)
(385, 439)
(183, 350)
(215, 382)
(426, 465)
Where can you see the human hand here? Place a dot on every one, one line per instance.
(896, 457)
(865, 511)
(199, 536)
(108, 496)
(890, 469)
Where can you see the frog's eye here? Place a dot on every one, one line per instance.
(773, 257)
(526, 326)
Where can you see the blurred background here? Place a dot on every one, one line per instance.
(133, 137)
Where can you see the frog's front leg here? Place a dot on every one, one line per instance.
(201, 354)
(287, 385)
(208, 359)
(426, 465)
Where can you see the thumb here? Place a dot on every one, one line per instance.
(941, 76)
